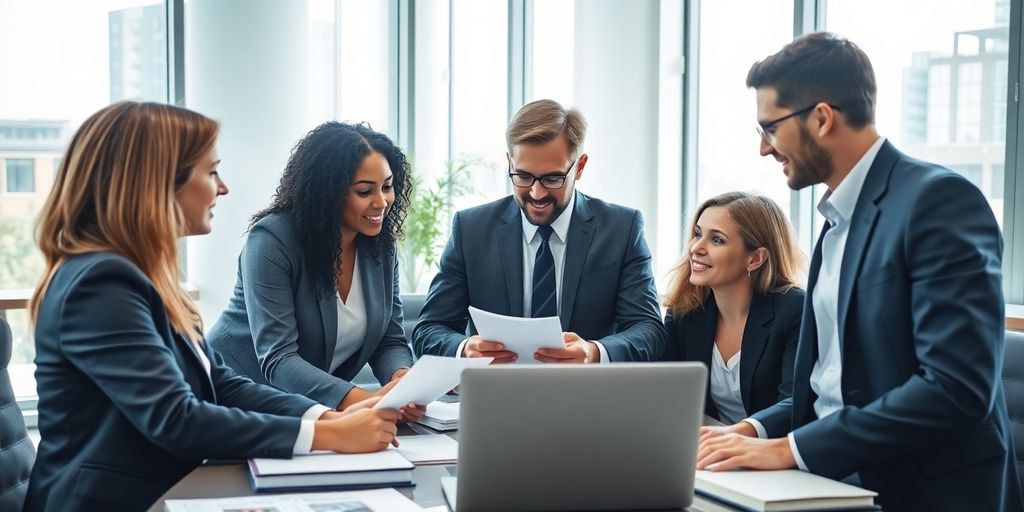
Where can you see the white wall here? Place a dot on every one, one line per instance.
(246, 66)
(623, 79)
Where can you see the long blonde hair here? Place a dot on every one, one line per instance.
(115, 191)
(762, 224)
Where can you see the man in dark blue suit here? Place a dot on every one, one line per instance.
(546, 250)
(897, 376)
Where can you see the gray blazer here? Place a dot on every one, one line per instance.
(279, 329)
(608, 292)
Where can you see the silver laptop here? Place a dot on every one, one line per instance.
(593, 437)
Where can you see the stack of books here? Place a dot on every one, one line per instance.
(326, 470)
(441, 416)
(769, 491)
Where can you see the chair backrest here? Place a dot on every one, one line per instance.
(17, 453)
(411, 306)
(1013, 385)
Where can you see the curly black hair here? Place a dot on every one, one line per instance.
(314, 187)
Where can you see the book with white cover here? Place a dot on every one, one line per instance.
(326, 470)
(441, 416)
(784, 490)
(378, 500)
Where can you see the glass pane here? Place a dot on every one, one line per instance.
(364, 78)
(479, 95)
(727, 150)
(552, 55)
(942, 83)
(92, 53)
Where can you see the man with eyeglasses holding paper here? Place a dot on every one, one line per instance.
(546, 250)
(897, 373)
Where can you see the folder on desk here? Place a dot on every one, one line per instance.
(324, 470)
(786, 490)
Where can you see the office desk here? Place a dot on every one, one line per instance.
(222, 481)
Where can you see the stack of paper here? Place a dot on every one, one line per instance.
(325, 470)
(782, 491)
(381, 500)
(441, 416)
(429, 449)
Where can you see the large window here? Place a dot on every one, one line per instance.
(71, 58)
(21, 175)
(951, 64)
(727, 149)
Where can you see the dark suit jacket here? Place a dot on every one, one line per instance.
(921, 332)
(608, 290)
(126, 408)
(767, 349)
(280, 329)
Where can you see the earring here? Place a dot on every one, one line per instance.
(748, 272)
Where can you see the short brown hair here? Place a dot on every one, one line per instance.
(541, 121)
(820, 67)
(762, 224)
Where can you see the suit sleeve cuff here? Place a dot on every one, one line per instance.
(462, 346)
(603, 351)
(796, 453)
(761, 432)
(304, 441)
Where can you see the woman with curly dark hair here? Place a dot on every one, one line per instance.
(317, 291)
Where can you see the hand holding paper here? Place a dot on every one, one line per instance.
(429, 378)
(524, 336)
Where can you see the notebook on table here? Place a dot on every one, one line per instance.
(326, 470)
(785, 490)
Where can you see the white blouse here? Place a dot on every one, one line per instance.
(351, 321)
(725, 387)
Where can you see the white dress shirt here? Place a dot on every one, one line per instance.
(837, 206)
(351, 321)
(557, 242)
(304, 441)
(725, 387)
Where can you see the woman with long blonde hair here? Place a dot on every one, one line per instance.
(735, 303)
(130, 397)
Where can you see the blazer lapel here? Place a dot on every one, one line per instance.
(861, 227)
(577, 246)
(375, 295)
(755, 339)
(328, 303)
(510, 242)
(192, 349)
(807, 347)
(701, 344)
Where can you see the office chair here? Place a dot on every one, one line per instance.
(17, 453)
(1013, 386)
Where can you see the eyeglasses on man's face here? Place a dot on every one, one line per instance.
(552, 181)
(767, 129)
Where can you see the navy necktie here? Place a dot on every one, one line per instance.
(543, 301)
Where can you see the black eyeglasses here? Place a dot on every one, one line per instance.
(549, 181)
(764, 129)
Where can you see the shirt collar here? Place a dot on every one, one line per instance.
(560, 225)
(837, 205)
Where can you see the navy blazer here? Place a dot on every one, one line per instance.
(767, 349)
(608, 292)
(126, 408)
(281, 329)
(921, 329)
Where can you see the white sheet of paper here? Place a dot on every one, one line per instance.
(524, 336)
(377, 500)
(428, 449)
(429, 379)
